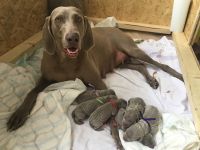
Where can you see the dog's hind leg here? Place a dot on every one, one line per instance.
(142, 69)
(144, 57)
(131, 49)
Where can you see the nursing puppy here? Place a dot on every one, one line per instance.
(74, 50)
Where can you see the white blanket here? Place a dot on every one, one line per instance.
(177, 131)
(48, 126)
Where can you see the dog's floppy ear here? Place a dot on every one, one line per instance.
(87, 41)
(48, 38)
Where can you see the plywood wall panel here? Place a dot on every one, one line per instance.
(156, 12)
(20, 19)
(192, 14)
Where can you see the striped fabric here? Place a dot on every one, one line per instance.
(48, 126)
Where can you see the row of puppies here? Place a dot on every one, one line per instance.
(138, 121)
(98, 106)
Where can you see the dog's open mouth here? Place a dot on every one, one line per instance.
(71, 52)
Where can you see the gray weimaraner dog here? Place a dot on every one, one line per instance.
(74, 50)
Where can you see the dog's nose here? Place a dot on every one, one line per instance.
(72, 38)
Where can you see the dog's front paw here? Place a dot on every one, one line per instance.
(16, 120)
(153, 83)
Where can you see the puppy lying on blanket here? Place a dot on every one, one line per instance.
(92, 94)
(85, 109)
(139, 122)
(74, 50)
(100, 109)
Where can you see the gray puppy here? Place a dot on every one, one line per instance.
(146, 128)
(104, 112)
(84, 110)
(119, 117)
(91, 94)
(132, 113)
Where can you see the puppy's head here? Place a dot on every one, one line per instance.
(67, 32)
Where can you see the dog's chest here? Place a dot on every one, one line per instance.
(64, 74)
(60, 72)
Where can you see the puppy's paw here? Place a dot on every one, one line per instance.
(153, 83)
(97, 127)
(16, 120)
(76, 119)
(101, 128)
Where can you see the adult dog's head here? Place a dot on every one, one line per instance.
(67, 33)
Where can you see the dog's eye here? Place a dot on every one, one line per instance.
(78, 18)
(59, 19)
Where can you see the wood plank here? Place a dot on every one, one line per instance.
(16, 52)
(191, 75)
(145, 29)
(192, 20)
(142, 11)
(138, 26)
(194, 36)
(143, 24)
(19, 20)
(194, 28)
